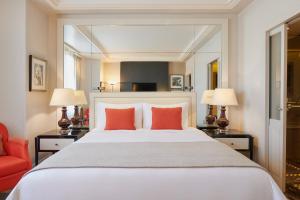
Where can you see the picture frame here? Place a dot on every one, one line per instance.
(37, 74)
(176, 81)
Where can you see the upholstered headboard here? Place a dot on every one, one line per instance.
(144, 97)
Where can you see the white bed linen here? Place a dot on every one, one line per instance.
(147, 183)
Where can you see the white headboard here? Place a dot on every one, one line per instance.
(144, 97)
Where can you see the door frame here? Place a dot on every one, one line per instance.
(218, 60)
(283, 113)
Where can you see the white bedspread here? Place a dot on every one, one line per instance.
(147, 183)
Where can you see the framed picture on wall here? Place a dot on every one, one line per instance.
(176, 81)
(37, 74)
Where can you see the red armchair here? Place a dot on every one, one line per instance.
(16, 163)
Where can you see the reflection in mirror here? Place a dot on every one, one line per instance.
(118, 58)
(213, 80)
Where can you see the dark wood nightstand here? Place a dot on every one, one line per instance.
(53, 141)
(238, 140)
(207, 126)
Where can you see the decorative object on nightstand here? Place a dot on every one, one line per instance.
(238, 140)
(224, 97)
(80, 100)
(53, 141)
(207, 97)
(63, 97)
(101, 87)
(86, 116)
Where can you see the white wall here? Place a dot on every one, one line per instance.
(41, 42)
(13, 65)
(198, 65)
(253, 23)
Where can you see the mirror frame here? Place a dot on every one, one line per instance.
(145, 19)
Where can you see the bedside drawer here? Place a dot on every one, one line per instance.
(55, 144)
(235, 143)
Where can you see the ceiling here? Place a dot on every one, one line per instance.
(75, 6)
(138, 43)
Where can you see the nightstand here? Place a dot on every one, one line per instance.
(53, 141)
(238, 140)
(208, 128)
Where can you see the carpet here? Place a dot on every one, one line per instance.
(3, 196)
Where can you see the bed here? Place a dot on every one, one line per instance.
(142, 178)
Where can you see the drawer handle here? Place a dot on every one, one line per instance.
(56, 144)
(232, 143)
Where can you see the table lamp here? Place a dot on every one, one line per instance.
(224, 97)
(112, 83)
(63, 97)
(80, 99)
(207, 97)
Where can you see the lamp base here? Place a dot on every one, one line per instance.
(76, 119)
(64, 122)
(222, 122)
(210, 118)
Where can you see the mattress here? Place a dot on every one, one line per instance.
(147, 183)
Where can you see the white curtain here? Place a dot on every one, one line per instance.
(71, 73)
(71, 70)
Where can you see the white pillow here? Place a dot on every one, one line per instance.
(101, 116)
(147, 113)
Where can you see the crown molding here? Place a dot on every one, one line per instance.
(76, 5)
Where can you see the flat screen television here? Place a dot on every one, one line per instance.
(144, 87)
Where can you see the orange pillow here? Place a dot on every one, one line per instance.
(2, 152)
(119, 119)
(167, 118)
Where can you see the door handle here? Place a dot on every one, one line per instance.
(280, 109)
(290, 106)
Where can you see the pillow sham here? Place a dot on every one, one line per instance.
(2, 152)
(166, 118)
(147, 113)
(100, 115)
(119, 119)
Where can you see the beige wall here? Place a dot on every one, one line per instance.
(259, 17)
(25, 30)
(177, 68)
(41, 42)
(111, 72)
(13, 66)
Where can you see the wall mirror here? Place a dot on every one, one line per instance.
(143, 57)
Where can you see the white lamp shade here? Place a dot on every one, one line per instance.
(224, 97)
(112, 82)
(207, 97)
(80, 97)
(62, 97)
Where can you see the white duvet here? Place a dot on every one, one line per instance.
(147, 183)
